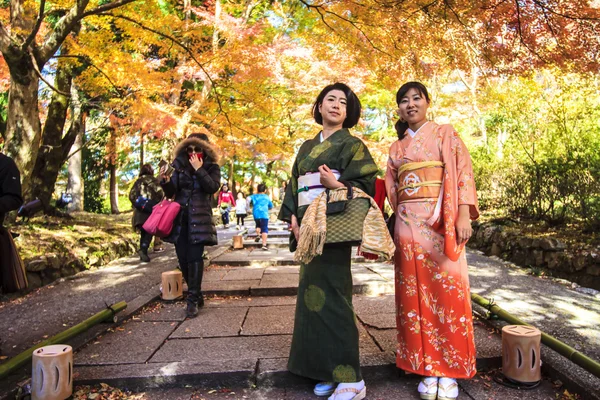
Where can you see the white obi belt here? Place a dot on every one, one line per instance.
(309, 187)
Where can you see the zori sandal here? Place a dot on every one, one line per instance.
(447, 389)
(359, 394)
(428, 388)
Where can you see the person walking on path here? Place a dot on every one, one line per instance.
(325, 338)
(148, 187)
(261, 204)
(241, 210)
(194, 181)
(226, 201)
(12, 275)
(429, 181)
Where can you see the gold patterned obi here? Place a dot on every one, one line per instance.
(420, 180)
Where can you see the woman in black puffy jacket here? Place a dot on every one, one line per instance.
(195, 179)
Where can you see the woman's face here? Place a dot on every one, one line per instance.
(413, 108)
(225, 188)
(333, 108)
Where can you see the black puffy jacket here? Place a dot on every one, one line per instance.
(193, 190)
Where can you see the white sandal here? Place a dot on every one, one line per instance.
(359, 393)
(428, 388)
(447, 389)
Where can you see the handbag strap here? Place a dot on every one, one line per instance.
(349, 187)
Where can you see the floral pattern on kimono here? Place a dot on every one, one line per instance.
(433, 305)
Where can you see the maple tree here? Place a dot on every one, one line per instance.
(248, 71)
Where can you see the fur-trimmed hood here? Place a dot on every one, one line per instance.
(211, 152)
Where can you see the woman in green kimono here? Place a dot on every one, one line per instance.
(325, 341)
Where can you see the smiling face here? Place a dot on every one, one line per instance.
(333, 108)
(412, 108)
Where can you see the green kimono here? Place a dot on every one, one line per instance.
(325, 340)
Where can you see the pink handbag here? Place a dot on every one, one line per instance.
(160, 222)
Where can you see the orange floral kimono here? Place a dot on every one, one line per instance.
(433, 304)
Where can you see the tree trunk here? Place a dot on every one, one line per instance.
(75, 181)
(114, 185)
(234, 189)
(51, 155)
(114, 190)
(23, 129)
(141, 149)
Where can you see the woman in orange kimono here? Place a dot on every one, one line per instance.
(429, 181)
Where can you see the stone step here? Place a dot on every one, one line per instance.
(233, 340)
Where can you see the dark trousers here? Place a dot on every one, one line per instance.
(225, 218)
(190, 263)
(145, 239)
(240, 218)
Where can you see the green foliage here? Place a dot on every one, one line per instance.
(541, 159)
(94, 170)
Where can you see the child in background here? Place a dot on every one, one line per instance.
(261, 204)
(241, 210)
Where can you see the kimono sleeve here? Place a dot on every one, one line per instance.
(455, 152)
(359, 168)
(289, 205)
(391, 177)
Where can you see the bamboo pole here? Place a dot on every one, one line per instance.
(95, 319)
(561, 348)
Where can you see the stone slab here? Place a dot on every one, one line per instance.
(272, 233)
(276, 284)
(244, 274)
(231, 288)
(154, 375)
(224, 349)
(482, 387)
(132, 342)
(385, 338)
(383, 269)
(283, 269)
(366, 344)
(250, 301)
(379, 321)
(162, 311)
(272, 320)
(212, 322)
(374, 304)
(212, 274)
(488, 346)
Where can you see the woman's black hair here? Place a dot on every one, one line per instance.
(261, 188)
(146, 170)
(353, 106)
(223, 185)
(401, 126)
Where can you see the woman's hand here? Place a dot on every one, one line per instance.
(295, 228)
(328, 179)
(463, 224)
(163, 173)
(196, 162)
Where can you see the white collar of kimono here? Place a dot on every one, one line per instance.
(321, 137)
(413, 133)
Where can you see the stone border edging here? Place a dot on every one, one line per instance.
(43, 270)
(582, 266)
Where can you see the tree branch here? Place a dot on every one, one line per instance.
(36, 28)
(91, 64)
(63, 28)
(107, 7)
(39, 74)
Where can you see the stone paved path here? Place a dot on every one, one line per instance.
(241, 338)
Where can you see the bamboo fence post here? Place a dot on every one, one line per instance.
(95, 319)
(561, 348)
